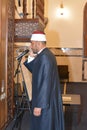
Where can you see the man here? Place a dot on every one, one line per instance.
(47, 112)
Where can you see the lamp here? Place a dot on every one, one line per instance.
(61, 9)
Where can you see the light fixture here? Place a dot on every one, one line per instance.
(61, 9)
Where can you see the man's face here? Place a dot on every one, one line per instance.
(34, 46)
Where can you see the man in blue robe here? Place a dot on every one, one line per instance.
(47, 108)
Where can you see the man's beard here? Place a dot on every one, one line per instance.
(35, 51)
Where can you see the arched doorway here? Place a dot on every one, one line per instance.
(84, 63)
(85, 31)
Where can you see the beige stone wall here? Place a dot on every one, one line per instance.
(65, 30)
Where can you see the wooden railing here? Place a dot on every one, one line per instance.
(24, 26)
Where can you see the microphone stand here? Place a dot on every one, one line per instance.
(20, 102)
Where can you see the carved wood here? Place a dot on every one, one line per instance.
(24, 29)
(10, 59)
(25, 8)
(6, 57)
(40, 9)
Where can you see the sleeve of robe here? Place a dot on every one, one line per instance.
(29, 66)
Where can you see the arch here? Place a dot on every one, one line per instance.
(85, 31)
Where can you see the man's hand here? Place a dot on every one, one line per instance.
(31, 53)
(37, 111)
(23, 59)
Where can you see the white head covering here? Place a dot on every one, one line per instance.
(38, 36)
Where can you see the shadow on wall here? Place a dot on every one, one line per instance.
(53, 39)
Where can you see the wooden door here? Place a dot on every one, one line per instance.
(3, 21)
(6, 61)
(0, 58)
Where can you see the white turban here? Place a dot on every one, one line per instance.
(38, 36)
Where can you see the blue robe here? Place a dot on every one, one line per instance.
(46, 92)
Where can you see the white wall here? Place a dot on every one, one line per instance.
(65, 31)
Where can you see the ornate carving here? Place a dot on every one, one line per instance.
(10, 59)
(25, 27)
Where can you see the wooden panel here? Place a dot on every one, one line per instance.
(6, 58)
(24, 29)
(3, 10)
(85, 45)
(84, 70)
(0, 62)
(40, 10)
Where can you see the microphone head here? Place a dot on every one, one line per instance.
(22, 54)
(27, 51)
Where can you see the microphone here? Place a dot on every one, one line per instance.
(22, 54)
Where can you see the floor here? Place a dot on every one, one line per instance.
(20, 123)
